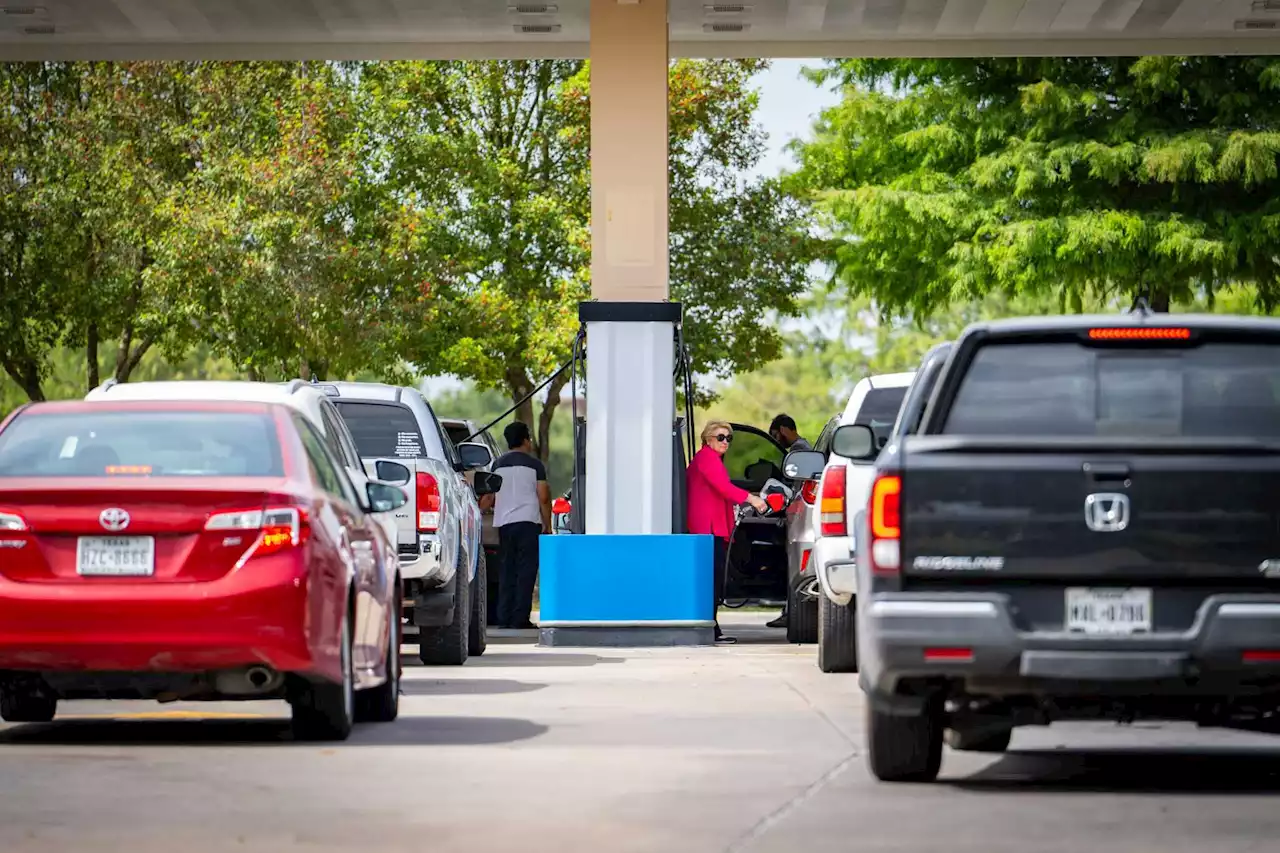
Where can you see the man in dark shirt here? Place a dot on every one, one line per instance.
(783, 431)
(521, 512)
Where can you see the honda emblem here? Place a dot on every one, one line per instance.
(1107, 512)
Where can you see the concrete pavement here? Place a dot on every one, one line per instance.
(747, 748)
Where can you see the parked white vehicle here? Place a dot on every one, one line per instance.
(442, 561)
(845, 486)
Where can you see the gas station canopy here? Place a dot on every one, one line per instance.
(457, 29)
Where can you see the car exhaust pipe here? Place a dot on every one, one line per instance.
(250, 681)
(258, 677)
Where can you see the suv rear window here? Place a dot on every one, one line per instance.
(1219, 389)
(382, 429)
(457, 432)
(141, 443)
(879, 410)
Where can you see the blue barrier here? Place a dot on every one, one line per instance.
(626, 590)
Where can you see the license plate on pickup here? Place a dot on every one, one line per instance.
(1108, 611)
(116, 556)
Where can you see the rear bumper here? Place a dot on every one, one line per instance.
(973, 638)
(832, 561)
(422, 561)
(265, 613)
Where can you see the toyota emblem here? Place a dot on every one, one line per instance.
(113, 519)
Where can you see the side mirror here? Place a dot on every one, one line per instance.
(561, 506)
(474, 456)
(487, 483)
(803, 465)
(856, 442)
(384, 497)
(392, 472)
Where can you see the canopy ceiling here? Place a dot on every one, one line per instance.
(387, 29)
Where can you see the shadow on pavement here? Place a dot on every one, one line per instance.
(406, 731)
(466, 686)
(541, 658)
(1217, 771)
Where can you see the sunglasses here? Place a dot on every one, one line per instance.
(725, 439)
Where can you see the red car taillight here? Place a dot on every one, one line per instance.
(832, 508)
(428, 501)
(278, 528)
(11, 522)
(809, 492)
(885, 524)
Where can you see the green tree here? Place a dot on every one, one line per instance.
(1073, 178)
(503, 148)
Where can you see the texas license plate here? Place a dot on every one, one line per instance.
(116, 556)
(1108, 611)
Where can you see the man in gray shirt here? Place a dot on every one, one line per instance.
(783, 431)
(521, 512)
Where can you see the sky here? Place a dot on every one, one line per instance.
(788, 106)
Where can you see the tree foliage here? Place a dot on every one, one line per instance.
(1076, 178)
(504, 149)
(360, 219)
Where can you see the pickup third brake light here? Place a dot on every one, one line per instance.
(1140, 334)
(886, 529)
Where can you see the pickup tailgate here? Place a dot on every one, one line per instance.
(1099, 485)
(1202, 513)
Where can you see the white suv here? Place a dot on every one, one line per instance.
(846, 484)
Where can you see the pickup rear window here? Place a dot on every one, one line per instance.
(382, 429)
(1216, 390)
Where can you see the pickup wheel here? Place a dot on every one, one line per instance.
(448, 645)
(478, 631)
(837, 636)
(323, 710)
(905, 748)
(802, 614)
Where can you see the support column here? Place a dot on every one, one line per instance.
(631, 357)
(628, 581)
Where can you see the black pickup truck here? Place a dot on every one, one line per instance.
(1084, 525)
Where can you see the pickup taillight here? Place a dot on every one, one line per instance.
(832, 507)
(809, 492)
(428, 503)
(885, 523)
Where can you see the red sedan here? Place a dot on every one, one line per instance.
(191, 551)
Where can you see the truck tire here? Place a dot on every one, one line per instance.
(447, 645)
(802, 614)
(837, 636)
(478, 631)
(905, 748)
(323, 710)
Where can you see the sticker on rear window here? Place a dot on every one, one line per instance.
(408, 446)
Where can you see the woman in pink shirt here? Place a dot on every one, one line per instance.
(711, 502)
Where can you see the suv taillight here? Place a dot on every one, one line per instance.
(809, 492)
(428, 503)
(832, 507)
(885, 523)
